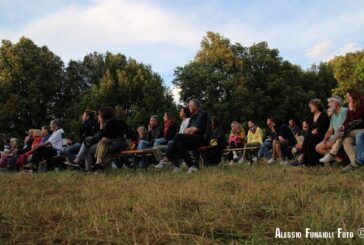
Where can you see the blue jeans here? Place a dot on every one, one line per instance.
(264, 150)
(72, 151)
(160, 141)
(359, 140)
(143, 144)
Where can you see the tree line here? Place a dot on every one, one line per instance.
(232, 81)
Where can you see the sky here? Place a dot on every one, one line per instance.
(166, 33)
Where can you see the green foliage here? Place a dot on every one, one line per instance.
(35, 87)
(241, 83)
(31, 86)
(348, 71)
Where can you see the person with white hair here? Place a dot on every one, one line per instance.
(330, 146)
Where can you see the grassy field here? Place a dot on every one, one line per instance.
(221, 205)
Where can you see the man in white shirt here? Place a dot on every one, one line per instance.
(52, 147)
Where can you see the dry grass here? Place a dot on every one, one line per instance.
(223, 205)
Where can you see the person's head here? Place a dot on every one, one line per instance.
(355, 98)
(236, 127)
(168, 117)
(276, 123)
(37, 133)
(54, 125)
(304, 125)
(30, 132)
(194, 105)
(292, 123)
(14, 142)
(45, 130)
(316, 105)
(106, 113)
(88, 114)
(251, 124)
(142, 131)
(69, 141)
(334, 103)
(269, 121)
(153, 121)
(184, 113)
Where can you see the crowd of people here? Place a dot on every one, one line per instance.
(334, 136)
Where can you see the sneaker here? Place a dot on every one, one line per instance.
(327, 158)
(191, 170)
(271, 161)
(159, 165)
(241, 160)
(255, 159)
(231, 163)
(350, 168)
(176, 170)
(284, 162)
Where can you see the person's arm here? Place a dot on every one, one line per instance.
(329, 132)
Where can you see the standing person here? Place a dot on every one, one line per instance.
(318, 125)
(192, 138)
(333, 133)
(52, 147)
(89, 128)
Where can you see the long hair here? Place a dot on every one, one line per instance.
(357, 97)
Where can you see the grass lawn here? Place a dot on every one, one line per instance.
(219, 205)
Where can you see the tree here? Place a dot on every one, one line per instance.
(31, 92)
(348, 71)
(242, 83)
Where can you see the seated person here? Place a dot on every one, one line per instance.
(255, 136)
(112, 135)
(328, 147)
(297, 149)
(23, 158)
(218, 141)
(89, 128)
(5, 156)
(52, 147)
(185, 115)
(193, 138)
(283, 140)
(155, 131)
(45, 134)
(16, 150)
(169, 132)
(265, 148)
(293, 125)
(236, 140)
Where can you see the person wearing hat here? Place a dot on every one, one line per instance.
(330, 146)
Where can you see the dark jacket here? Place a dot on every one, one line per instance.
(154, 133)
(89, 128)
(285, 132)
(171, 132)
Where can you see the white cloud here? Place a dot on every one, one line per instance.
(318, 50)
(78, 29)
(176, 95)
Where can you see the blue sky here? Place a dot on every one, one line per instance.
(167, 34)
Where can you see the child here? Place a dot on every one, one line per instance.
(236, 140)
